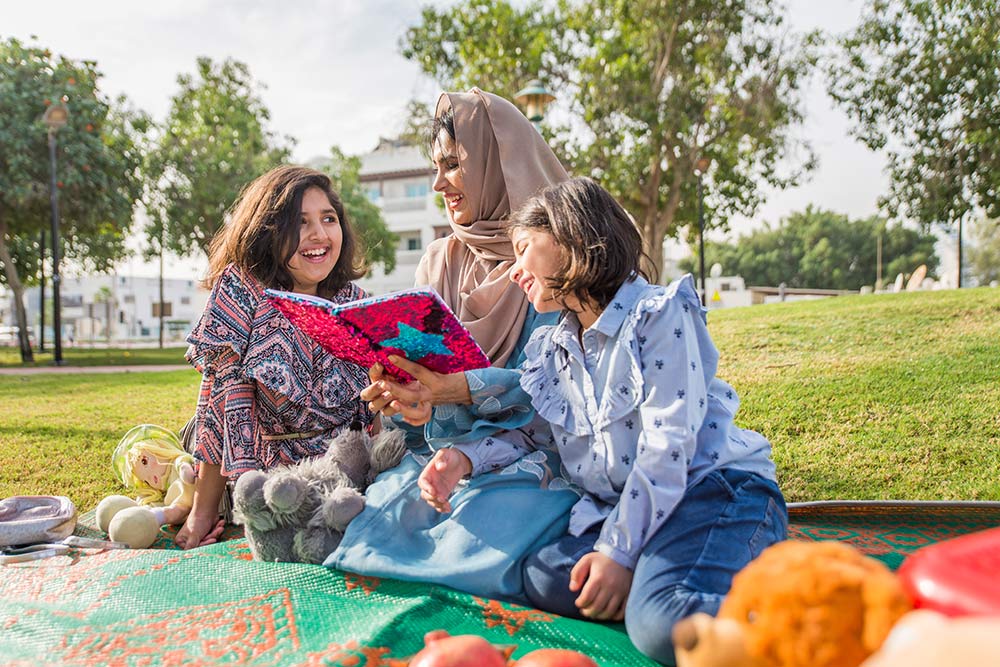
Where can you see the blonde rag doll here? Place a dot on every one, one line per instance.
(150, 460)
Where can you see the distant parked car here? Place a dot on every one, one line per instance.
(8, 337)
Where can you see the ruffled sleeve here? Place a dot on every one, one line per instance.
(225, 426)
(546, 379)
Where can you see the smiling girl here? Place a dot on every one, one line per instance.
(676, 498)
(269, 394)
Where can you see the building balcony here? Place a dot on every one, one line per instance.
(393, 204)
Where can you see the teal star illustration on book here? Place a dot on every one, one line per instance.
(417, 343)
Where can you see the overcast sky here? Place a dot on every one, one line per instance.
(334, 76)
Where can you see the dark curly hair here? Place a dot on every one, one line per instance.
(602, 247)
(262, 233)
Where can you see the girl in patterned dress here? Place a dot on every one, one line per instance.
(269, 394)
(676, 498)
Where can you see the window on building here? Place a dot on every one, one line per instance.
(129, 298)
(373, 192)
(724, 287)
(168, 309)
(410, 241)
(416, 189)
(185, 301)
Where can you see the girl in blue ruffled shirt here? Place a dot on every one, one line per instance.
(676, 498)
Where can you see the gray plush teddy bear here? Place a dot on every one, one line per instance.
(298, 513)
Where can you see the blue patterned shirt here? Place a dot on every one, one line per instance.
(637, 412)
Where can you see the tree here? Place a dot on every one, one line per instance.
(921, 80)
(650, 88)
(817, 248)
(984, 251)
(99, 160)
(378, 241)
(213, 143)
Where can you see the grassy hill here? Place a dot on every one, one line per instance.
(872, 397)
(863, 397)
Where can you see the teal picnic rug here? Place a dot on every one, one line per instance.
(216, 606)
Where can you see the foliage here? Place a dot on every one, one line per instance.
(98, 164)
(490, 44)
(213, 143)
(921, 80)
(822, 249)
(984, 251)
(649, 87)
(868, 397)
(379, 242)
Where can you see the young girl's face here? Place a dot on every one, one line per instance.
(537, 258)
(320, 238)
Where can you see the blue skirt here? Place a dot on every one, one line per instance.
(497, 520)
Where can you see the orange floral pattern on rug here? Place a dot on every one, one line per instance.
(260, 629)
(512, 620)
(351, 654)
(366, 584)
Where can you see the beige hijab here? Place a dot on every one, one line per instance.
(504, 161)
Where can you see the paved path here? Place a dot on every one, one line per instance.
(69, 370)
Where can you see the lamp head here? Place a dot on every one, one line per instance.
(534, 98)
(56, 116)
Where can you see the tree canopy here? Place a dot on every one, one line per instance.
(822, 249)
(649, 87)
(214, 141)
(921, 80)
(99, 162)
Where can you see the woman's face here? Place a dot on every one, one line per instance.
(320, 238)
(448, 180)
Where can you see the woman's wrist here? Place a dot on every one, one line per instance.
(454, 390)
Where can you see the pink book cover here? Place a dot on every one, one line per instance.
(414, 323)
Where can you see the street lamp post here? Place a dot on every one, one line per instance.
(41, 290)
(534, 98)
(55, 117)
(699, 169)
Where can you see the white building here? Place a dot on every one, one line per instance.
(115, 308)
(399, 179)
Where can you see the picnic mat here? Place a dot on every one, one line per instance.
(216, 606)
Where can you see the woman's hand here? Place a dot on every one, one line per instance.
(412, 400)
(606, 586)
(440, 388)
(440, 477)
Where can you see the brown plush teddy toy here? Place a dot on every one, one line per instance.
(799, 604)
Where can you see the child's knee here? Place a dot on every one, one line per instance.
(546, 585)
(650, 620)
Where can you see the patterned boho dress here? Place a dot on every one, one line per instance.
(269, 394)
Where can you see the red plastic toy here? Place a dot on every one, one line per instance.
(958, 577)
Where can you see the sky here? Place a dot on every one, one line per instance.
(333, 75)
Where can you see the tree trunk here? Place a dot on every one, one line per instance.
(10, 272)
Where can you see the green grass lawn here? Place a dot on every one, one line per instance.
(863, 397)
(10, 357)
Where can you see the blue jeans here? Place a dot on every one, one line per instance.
(720, 525)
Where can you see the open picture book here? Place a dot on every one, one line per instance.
(414, 323)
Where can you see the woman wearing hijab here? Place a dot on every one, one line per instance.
(489, 160)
